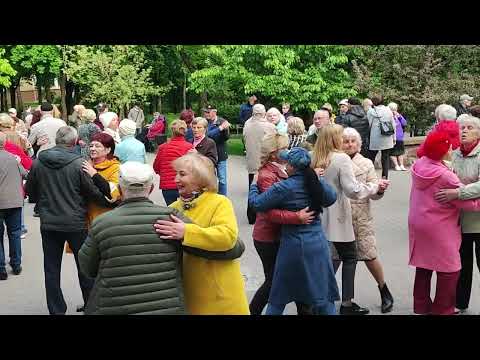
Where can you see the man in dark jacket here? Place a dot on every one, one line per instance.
(463, 106)
(62, 189)
(246, 110)
(357, 118)
(342, 112)
(218, 130)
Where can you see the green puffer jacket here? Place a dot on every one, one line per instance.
(138, 273)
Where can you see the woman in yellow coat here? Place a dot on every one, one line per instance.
(212, 287)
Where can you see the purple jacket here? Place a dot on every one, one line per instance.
(401, 123)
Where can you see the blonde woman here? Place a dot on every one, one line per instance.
(362, 217)
(212, 287)
(337, 167)
(296, 132)
(276, 118)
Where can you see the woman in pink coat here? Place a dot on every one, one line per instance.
(434, 230)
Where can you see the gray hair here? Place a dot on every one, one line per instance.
(469, 119)
(200, 121)
(351, 132)
(393, 106)
(66, 136)
(258, 109)
(3, 140)
(445, 112)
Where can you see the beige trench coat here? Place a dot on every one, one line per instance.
(362, 219)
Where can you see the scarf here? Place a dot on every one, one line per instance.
(467, 148)
(197, 141)
(187, 203)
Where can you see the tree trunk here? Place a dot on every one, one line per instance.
(63, 81)
(13, 102)
(39, 90)
(203, 101)
(69, 88)
(159, 104)
(76, 99)
(19, 100)
(2, 108)
(185, 92)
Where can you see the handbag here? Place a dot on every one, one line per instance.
(386, 127)
(232, 254)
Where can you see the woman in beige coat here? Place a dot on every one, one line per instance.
(362, 219)
(337, 167)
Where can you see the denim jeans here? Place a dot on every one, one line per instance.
(170, 196)
(53, 243)
(24, 228)
(222, 177)
(326, 309)
(13, 220)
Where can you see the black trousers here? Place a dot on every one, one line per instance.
(268, 255)
(347, 252)
(53, 243)
(385, 160)
(464, 285)
(251, 214)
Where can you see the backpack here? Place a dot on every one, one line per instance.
(386, 127)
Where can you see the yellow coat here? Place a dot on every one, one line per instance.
(109, 170)
(212, 287)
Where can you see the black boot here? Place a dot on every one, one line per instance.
(387, 299)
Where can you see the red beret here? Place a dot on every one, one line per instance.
(436, 145)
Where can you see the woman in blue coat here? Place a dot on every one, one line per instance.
(303, 269)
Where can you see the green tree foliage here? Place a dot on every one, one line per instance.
(41, 61)
(304, 75)
(116, 74)
(6, 70)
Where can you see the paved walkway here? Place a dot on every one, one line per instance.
(25, 294)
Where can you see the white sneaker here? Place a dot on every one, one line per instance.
(398, 168)
(403, 168)
(23, 236)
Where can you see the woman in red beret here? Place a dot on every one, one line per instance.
(434, 230)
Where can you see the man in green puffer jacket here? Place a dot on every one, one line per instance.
(136, 272)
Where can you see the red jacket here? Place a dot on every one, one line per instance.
(14, 149)
(167, 153)
(267, 226)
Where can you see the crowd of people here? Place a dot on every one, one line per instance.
(309, 201)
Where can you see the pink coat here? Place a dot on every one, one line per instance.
(434, 228)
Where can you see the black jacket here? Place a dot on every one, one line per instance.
(220, 138)
(461, 109)
(357, 118)
(207, 148)
(62, 190)
(340, 119)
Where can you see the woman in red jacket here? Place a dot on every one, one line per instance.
(167, 153)
(266, 231)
